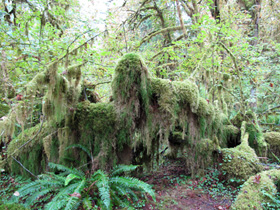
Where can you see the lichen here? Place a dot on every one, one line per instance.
(252, 194)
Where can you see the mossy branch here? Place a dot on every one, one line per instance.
(162, 31)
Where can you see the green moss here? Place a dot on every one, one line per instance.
(4, 110)
(205, 109)
(97, 123)
(226, 76)
(237, 120)
(273, 138)
(131, 88)
(249, 4)
(231, 130)
(251, 195)
(163, 95)
(187, 94)
(32, 155)
(7, 126)
(12, 206)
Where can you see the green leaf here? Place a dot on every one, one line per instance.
(70, 177)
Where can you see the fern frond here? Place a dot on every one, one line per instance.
(82, 147)
(132, 194)
(102, 183)
(119, 169)
(66, 169)
(87, 203)
(55, 205)
(31, 199)
(73, 201)
(60, 200)
(133, 183)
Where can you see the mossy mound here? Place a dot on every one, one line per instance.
(273, 138)
(241, 162)
(253, 193)
(12, 206)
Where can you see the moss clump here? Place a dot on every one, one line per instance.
(205, 109)
(273, 138)
(240, 162)
(187, 94)
(12, 206)
(7, 125)
(251, 195)
(226, 76)
(163, 97)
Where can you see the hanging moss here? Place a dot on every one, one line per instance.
(240, 162)
(88, 92)
(131, 88)
(74, 74)
(7, 125)
(252, 194)
(97, 125)
(200, 155)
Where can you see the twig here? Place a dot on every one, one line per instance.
(24, 167)
(101, 83)
(125, 38)
(268, 110)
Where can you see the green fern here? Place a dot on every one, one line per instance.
(59, 185)
(102, 183)
(67, 189)
(119, 169)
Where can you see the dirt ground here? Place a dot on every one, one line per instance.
(175, 190)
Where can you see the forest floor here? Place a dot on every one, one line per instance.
(177, 191)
